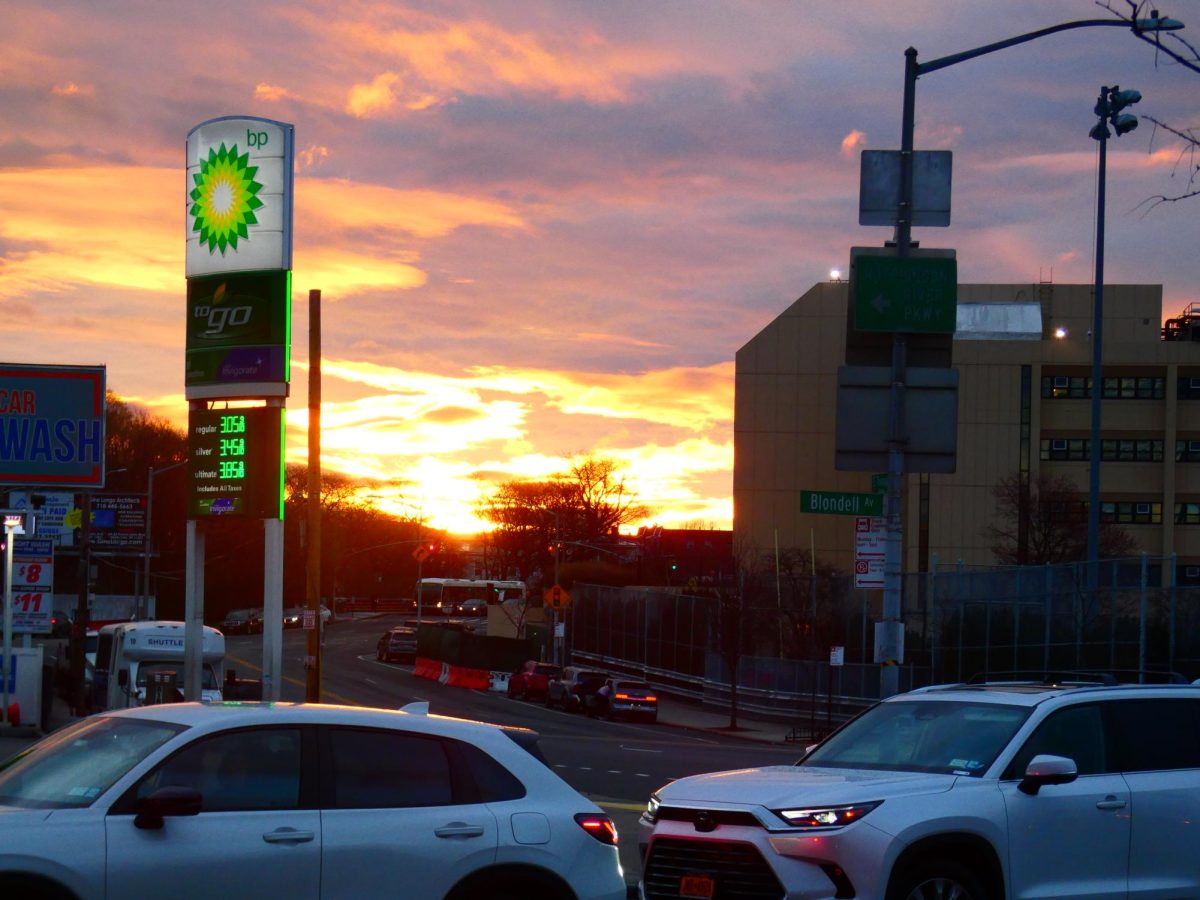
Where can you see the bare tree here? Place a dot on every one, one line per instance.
(1045, 521)
(1175, 49)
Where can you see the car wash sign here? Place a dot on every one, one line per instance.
(52, 425)
(238, 258)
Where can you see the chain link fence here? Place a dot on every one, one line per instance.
(962, 622)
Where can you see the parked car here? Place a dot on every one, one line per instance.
(570, 689)
(293, 616)
(621, 699)
(532, 679)
(1038, 788)
(242, 621)
(60, 624)
(398, 644)
(197, 800)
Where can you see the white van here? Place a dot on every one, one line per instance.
(129, 653)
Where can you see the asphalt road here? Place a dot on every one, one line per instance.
(616, 764)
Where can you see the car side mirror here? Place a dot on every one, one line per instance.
(1046, 769)
(123, 677)
(173, 800)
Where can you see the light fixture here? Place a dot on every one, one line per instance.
(1060, 332)
(835, 274)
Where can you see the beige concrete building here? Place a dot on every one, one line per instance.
(1023, 405)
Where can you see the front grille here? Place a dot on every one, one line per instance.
(737, 869)
(716, 816)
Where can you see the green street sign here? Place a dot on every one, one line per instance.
(905, 293)
(879, 484)
(839, 503)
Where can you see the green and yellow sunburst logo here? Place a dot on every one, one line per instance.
(224, 198)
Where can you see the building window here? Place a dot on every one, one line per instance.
(1067, 387)
(1189, 387)
(1128, 512)
(1126, 387)
(1130, 450)
(1115, 387)
(1187, 451)
(1069, 511)
(1065, 448)
(1111, 449)
(1187, 513)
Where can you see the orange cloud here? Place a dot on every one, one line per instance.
(271, 93)
(71, 89)
(123, 226)
(855, 140)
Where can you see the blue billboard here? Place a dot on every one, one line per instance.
(52, 425)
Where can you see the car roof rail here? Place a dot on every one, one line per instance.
(1043, 676)
(1104, 677)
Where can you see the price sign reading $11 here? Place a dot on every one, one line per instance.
(33, 585)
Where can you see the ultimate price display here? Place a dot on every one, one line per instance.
(235, 462)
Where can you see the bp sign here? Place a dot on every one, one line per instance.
(239, 196)
(235, 463)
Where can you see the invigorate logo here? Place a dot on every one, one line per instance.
(225, 198)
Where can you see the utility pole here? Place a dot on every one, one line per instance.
(312, 667)
(79, 626)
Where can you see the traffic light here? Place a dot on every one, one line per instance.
(1108, 108)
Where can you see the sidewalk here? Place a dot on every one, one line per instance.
(693, 716)
(15, 738)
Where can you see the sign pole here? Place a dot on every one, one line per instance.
(193, 612)
(312, 674)
(10, 537)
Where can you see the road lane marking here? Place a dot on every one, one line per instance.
(639, 749)
(296, 681)
(612, 804)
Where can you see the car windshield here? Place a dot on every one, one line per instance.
(74, 766)
(949, 736)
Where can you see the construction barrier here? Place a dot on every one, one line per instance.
(499, 681)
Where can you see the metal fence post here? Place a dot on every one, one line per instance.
(1171, 616)
(1142, 622)
(1048, 601)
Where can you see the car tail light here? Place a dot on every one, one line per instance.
(599, 826)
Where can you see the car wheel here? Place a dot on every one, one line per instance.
(379, 655)
(938, 880)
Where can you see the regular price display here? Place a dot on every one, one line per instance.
(235, 462)
(32, 585)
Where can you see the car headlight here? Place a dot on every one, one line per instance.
(827, 816)
(652, 806)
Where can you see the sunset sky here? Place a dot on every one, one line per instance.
(544, 227)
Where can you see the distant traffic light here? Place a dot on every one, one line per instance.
(1108, 108)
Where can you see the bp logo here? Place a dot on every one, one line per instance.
(224, 198)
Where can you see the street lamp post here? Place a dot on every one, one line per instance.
(144, 601)
(893, 561)
(1108, 108)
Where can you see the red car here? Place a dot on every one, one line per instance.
(532, 680)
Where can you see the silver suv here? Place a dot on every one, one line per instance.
(1055, 788)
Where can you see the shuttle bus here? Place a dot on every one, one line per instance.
(446, 596)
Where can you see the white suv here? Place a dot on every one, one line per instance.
(966, 792)
(296, 801)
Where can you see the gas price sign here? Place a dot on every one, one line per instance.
(235, 462)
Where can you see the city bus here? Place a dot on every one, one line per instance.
(446, 596)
